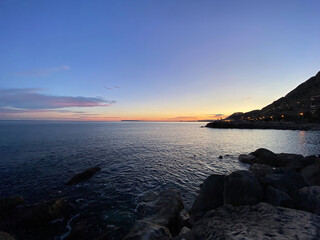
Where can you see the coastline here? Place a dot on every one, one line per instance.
(264, 125)
(277, 198)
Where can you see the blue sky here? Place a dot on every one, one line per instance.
(153, 60)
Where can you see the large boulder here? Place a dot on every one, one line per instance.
(210, 196)
(285, 180)
(311, 173)
(308, 199)
(145, 230)
(293, 161)
(167, 209)
(242, 188)
(261, 170)
(265, 156)
(87, 174)
(160, 215)
(259, 222)
(278, 198)
(247, 158)
(39, 221)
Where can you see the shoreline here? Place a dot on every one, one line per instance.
(277, 198)
(267, 201)
(264, 125)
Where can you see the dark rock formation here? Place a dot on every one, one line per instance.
(210, 197)
(293, 161)
(285, 180)
(247, 158)
(242, 188)
(146, 230)
(278, 198)
(183, 219)
(265, 156)
(162, 220)
(288, 160)
(261, 170)
(34, 221)
(263, 125)
(259, 222)
(87, 174)
(8, 204)
(308, 199)
(5, 236)
(311, 173)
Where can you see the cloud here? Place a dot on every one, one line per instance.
(216, 115)
(110, 88)
(31, 100)
(43, 72)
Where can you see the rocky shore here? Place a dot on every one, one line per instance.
(278, 198)
(242, 124)
(55, 219)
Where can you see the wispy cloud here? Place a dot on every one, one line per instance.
(110, 88)
(32, 100)
(42, 72)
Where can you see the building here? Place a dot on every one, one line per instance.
(315, 104)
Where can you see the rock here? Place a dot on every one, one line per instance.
(311, 174)
(259, 222)
(45, 212)
(265, 156)
(210, 196)
(220, 157)
(5, 236)
(285, 180)
(144, 230)
(86, 226)
(8, 204)
(87, 174)
(38, 221)
(167, 209)
(163, 214)
(242, 188)
(277, 198)
(261, 170)
(184, 230)
(293, 161)
(309, 160)
(183, 219)
(308, 199)
(247, 158)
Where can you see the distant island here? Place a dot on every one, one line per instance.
(132, 121)
(298, 110)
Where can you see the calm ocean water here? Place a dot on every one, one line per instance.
(37, 158)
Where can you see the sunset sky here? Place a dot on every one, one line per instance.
(152, 60)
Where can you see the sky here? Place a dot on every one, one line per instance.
(91, 60)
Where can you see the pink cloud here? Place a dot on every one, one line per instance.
(31, 99)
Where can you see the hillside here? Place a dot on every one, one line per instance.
(302, 103)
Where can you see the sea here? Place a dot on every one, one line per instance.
(137, 158)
